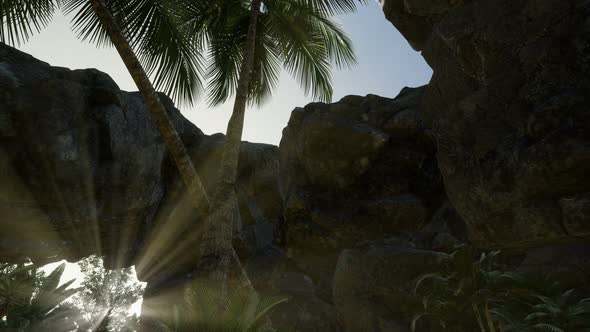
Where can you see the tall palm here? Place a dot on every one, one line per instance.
(151, 28)
(248, 43)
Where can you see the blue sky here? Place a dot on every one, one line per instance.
(386, 64)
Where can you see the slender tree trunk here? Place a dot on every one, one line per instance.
(158, 111)
(218, 242)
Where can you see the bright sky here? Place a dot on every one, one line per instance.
(386, 64)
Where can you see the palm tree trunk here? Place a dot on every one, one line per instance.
(218, 242)
(231, 153)
(159, 115)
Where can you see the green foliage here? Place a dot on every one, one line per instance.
(171, 39)
(106, 296)
(152, 27)
(20, 19)
(298, 35)
(476, 295)
(549, 309)
(468, 286)
(202, 311)
(32, 301)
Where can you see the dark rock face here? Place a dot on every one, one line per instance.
(80, 158)
(83, 172)
(509, 109)
(374, 281)
(271, 272)
(360, 169)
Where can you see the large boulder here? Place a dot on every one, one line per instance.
(271, 272)
(84, 171)
(374, 283)
(508, 103)
(363, 168)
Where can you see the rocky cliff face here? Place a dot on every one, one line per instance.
(361, 197)
(508, 102)
(84, 171)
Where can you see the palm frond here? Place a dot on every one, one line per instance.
(86, 24)
(303, 50)
(165, 47)
(335, 7)
(338, 43)
(19, 19)
(156, 31)
(266, 68)
(546, 327)
(226, 54)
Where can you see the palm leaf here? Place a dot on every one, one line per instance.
(303, 50)
(19, 19)
(85, 22)
(546, 327)
(165, 47)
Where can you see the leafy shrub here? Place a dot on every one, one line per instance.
(477, 295)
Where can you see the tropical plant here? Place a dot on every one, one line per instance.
(469, 285)
(148, 27)
(106, 296)
(31, 301)
(242, 311)
(544, 310)
(496, 300)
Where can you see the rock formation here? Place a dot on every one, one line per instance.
(508, 102)
(84, 171)
(361, 197)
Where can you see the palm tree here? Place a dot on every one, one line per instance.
(248, 43)
(182, 66)
(149, 26)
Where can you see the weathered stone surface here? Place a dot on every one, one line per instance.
(83, 171)
(415, 19)
(360, 169)
(568, 264)
(272, 272)
(508, 104)
(373, 284)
